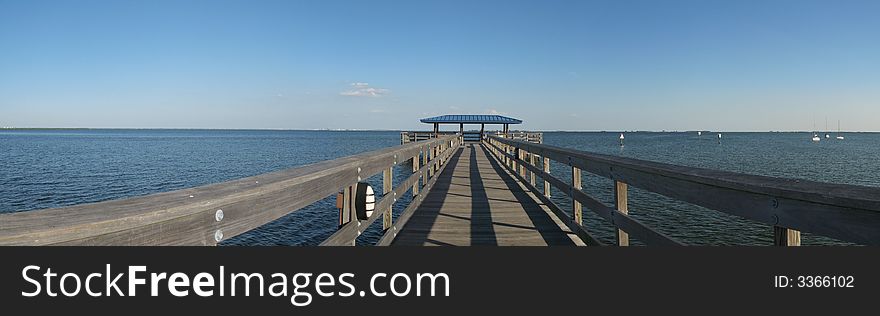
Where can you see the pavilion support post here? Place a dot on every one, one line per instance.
(482, 131)
(436, 130)
(461, 128)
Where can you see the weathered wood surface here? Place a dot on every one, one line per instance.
(477, 202)
(347, 234)
(469, 136)
(615, 217)
(846, 212)
(190, 216)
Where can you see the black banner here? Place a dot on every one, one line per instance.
(462, 280)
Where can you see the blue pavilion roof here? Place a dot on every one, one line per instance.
(471, 119)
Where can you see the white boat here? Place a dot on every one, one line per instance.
(699, 133)
(815, 138)
(838, 131)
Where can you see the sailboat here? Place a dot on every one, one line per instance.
(838, 131)
(816, 138)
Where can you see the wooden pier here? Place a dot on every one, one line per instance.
(477, 202)
(464, 193)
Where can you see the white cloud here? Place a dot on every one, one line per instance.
(363, 89)
(493, 111)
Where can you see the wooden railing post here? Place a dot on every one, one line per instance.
(620, 201)
(425, 163)
(786, 237)
(345, 211)
(576, 208)
(437, 153)
(519, 160)
(415, 169)
(546, 163)
(387, 176)
(514, 163)
(532, 173)
(430, 161)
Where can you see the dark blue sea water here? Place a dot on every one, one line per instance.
(52, 168)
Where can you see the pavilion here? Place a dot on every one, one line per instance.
(462, 119)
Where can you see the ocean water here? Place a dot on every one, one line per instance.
(54, 168)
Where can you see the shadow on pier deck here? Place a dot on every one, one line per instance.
(477, 202)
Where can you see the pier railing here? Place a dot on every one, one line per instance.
(209, 214)
(532, 137)
(845, 212)
(417, 136)
(471, 136)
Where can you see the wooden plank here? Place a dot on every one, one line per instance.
(475, 201)
(346, 235)
(620, 201)
(578, 229)
(391, 233)
(622, 221)
(845, 212)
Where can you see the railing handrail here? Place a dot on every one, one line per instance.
(846, 212)
(206, 214)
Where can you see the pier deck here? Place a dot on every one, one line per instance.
(477, 202)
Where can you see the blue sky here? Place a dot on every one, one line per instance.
(558, 65)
